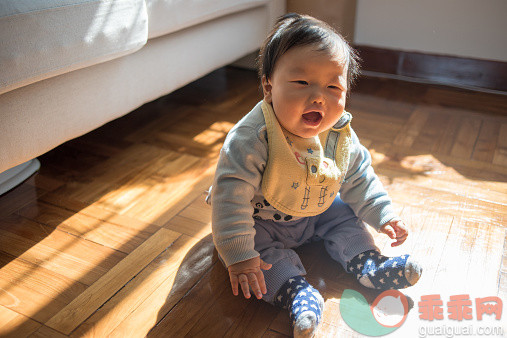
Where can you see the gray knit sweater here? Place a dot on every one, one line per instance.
(236, 197)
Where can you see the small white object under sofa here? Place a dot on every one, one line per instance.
(70, 66)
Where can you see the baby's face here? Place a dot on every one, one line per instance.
(307, 90)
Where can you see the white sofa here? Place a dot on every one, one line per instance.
(70, 66)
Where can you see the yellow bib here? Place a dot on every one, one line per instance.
(302, 177)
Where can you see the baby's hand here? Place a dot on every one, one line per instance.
(248, 273)
(395, 229)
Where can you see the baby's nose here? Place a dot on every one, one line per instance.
(317, 96)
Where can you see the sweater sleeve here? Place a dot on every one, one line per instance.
(239, 173)
(362, 189)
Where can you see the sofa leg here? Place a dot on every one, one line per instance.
(13, 177)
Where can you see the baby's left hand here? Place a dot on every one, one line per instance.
(395, 229)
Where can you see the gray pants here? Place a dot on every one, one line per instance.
(344, 236)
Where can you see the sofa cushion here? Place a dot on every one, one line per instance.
(38, 117)
(167, 16)
(45, 38)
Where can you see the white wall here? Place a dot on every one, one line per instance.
(467, 28)
(338, 13)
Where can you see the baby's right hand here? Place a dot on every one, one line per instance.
(248, 274)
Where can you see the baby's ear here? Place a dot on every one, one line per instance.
(266, 89)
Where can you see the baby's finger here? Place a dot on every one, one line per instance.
(254, 284)
(399, 226)
(262, 283)
(265, 266)
(243, 280)
(234, 284)
(399, 240)
(389, 231)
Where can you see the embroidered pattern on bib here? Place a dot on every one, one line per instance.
(302, 176)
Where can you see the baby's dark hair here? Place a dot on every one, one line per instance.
(295, 30)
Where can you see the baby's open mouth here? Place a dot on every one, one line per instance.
(313, 117)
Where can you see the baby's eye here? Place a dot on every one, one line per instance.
(334, 87)
(301, 82)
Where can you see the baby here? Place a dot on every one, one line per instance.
(293, 171)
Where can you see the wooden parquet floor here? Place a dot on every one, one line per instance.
(112, 236)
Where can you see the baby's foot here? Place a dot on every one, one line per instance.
(376, 271)
(304, 303)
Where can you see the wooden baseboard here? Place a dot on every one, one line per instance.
(442, 69)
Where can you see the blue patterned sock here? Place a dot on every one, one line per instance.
(305, 305)
(376, 271)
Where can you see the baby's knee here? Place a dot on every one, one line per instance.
(285, 265)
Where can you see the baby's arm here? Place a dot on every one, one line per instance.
(365, 194)
(239, 174)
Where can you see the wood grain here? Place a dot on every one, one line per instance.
(64, 254)
(15, 325)
(158, 286)
(91, 299)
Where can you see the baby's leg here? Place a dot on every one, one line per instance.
(305, 305)
(377, 271)
(285, 285)
(348, 241)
